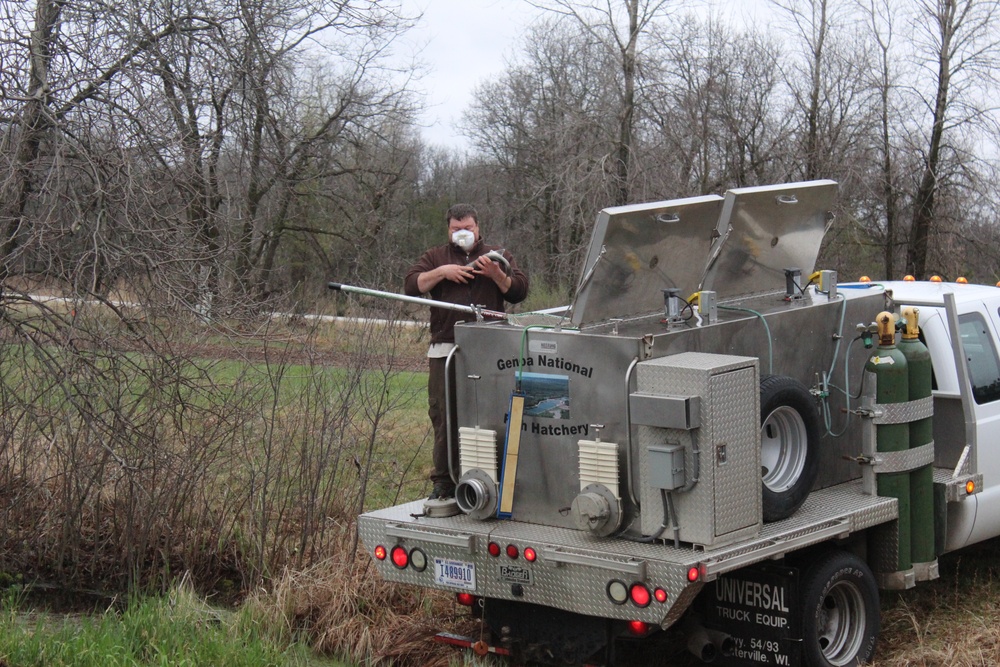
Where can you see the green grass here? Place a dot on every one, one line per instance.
(173, 631)
(262, 449)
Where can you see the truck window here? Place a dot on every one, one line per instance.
(980, 357)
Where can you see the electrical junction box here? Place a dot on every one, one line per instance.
(701, 455)
(666, 467)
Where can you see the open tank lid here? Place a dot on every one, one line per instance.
(636, 251)
(763, 231)
(737, 245)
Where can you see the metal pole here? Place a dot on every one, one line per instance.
(474, 310)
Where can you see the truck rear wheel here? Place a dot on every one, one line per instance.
(840, 608)
(789, 445)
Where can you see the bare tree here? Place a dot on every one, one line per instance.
(61, 74)
(960, 41)
(711, 106)
(545, 128)
(617, 25)
(189, 144)
(338, 108)
(680, 97)
(828, 87)
(882, 21)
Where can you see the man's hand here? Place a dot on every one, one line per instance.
(456, 273)
(492, 270)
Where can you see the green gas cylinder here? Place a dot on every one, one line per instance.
(918, 361)
(892, 385)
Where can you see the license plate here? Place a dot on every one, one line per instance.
(515, 574)
(455, 573)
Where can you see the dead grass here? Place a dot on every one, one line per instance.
(342, 608)
(953, 621)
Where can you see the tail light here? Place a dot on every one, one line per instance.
(640, 595)
(465, 599)
(638, 628)
(399, 557)
(617, 591)
(418, 560)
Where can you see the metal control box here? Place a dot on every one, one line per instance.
(720, 499)
(666, 467)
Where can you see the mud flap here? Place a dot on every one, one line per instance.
(535, 633)
(753, 618)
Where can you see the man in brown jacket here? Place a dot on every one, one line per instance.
(457, 272)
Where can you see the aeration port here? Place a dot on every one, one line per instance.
(476, 495)
(471, 495)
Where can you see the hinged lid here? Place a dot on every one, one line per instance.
(638, 250)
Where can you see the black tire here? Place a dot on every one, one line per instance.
(840, 608)
(789, 440)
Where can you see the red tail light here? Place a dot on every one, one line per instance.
(693, 574)
(638, 628)
(512, 551)
(380, 552)
(660, 595)
(465, 599)
(640, 595)
(399, 557)
(530, 555)
(494, 549)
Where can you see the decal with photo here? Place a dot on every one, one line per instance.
(545, 395)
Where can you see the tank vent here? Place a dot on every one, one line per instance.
(599, 464)
(477, 449)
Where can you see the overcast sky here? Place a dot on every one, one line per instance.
(465, 43)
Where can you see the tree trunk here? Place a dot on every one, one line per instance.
(923, 214)
(813, 160)
(628, 104)
(35, 123)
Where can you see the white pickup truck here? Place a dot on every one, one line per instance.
(751, 464)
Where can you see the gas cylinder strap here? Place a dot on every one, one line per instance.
(904, 413)
(905, 460)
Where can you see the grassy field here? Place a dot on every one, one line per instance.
(179, 629)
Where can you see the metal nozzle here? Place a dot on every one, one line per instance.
(886, 328)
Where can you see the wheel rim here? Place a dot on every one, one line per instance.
(841, 623)
(783, 446)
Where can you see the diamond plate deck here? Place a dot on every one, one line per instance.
(574, 567)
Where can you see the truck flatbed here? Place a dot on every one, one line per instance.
(575, 567)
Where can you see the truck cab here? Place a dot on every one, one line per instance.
(966, 390)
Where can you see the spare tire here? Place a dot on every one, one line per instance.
(789, 445)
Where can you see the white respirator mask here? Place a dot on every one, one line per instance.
(464, 239)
